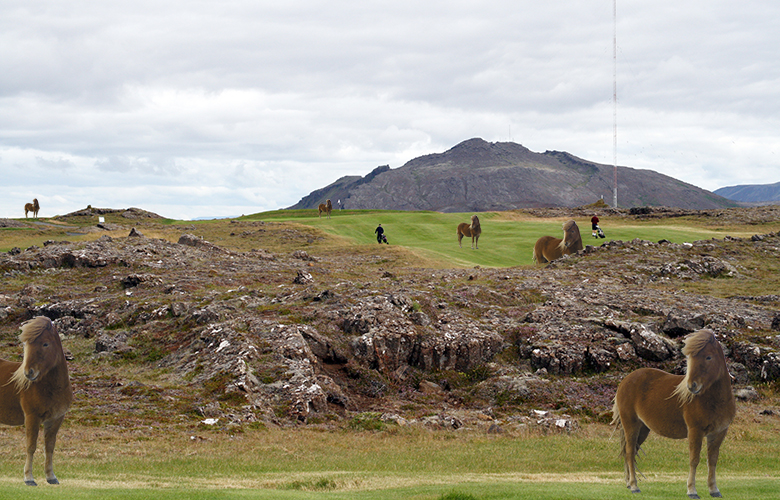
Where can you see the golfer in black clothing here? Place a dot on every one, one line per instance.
(379, 232)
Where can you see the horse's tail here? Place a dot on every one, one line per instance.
(618, 426)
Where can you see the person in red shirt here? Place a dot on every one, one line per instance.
(594, 225)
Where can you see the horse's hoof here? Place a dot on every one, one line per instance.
(716, 494)
(53, 481)
(693, 495)
(31, 483)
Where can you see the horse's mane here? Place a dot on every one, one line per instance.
(329, 204)
(694, 343)
(475, 222)
(31, 330)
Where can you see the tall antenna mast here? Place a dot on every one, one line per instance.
(614, 102)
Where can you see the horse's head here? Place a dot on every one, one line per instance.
(474, 221)
(35, 203)
(705, 364)
(42, 351)
(571, 234)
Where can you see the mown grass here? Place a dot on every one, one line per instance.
(394, 463)
(506, 241)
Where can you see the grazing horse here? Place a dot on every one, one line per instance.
(32, 207)
(697, 405)
(472, 230)
(36, 391)
(549, 248)
(325, 207)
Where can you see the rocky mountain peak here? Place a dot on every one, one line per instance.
(477, 176)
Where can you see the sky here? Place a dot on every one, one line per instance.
(221, 108)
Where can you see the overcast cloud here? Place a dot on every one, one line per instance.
(204, 108)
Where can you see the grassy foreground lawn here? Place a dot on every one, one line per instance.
(397, 463)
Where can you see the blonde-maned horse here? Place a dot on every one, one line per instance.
(549, 248)
(37, 391)
(326, 207)
(697, 405)
(472, 231)
(32, 207)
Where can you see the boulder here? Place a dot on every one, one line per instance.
(646, 343)
(678, 324)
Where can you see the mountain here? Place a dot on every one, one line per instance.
(751, 193)
(478, 176)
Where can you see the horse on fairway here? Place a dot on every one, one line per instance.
(549, 248)
(697, 405)
(32, 207)
(36, 391)
(325, 207)
(472, 231)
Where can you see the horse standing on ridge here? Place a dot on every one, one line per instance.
(32, 207)
(470, 231)
(37, 391)
(697, 405)
(549, 248)
(326, 207)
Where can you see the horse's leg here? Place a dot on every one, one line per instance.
(460, 239)
(695, 439)
(632, 429)
(622, 431)
(50, 429)
(713, 449)
(31, 425)
(643, 433)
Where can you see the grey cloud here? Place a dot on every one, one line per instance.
(294, 95)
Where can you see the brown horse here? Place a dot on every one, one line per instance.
(697, 405)
(326, 207)
(472, 231)
(36, 391)
(549, 248)
(32, 207)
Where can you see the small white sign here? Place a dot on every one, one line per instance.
(101, 219)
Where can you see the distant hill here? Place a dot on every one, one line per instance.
(478, 176)
(751, 193)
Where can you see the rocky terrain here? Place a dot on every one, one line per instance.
(185, 331)
(478, 176)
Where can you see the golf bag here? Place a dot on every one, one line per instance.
(598, 233)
